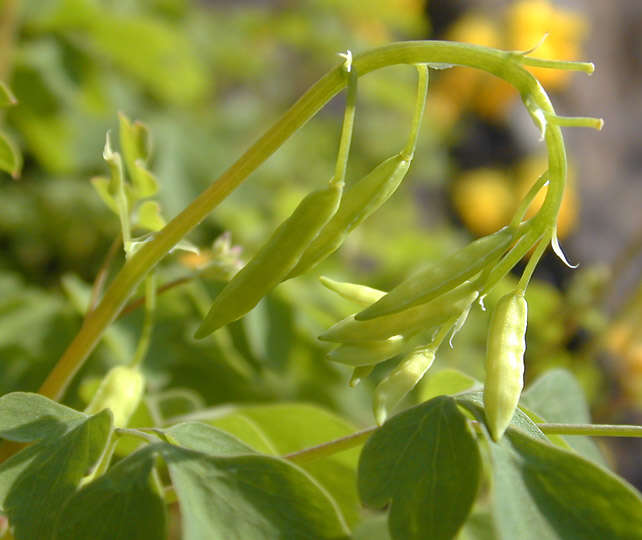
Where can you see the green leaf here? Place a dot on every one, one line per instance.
(541, 491)
(27, 417)
(52, 469)
(120, 504)
(148, 216)
(249, 497)
(280, 429)
(10, 157)
(556, 396)
(206, 439)
(426, 463)
(105, 189)
(445, 382)
(7, 99)
(473, 402)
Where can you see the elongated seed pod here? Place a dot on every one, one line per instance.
(407, 322)
(120, 391)
(367, 353)
(432, 281)
(505, 362)
(273, 261)
(391, 390)
(359, 201)
(361, 294)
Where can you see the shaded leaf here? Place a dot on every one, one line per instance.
(249, 497)
(556, 396)
(541, 491)
(27, 417)
(52, 469)
(426, 463)
(120, 504)
(473, 402)
(289, 427)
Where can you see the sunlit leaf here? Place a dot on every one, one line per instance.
(426, 464)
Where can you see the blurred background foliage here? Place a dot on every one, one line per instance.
(208, 78)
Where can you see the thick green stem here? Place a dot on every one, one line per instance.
(499, 63)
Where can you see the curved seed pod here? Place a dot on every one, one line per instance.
(359, 201)
(368, 353)
(432, 281)
(406, 322)
(120, 391)
(361, 294)
(273, 261)
(391, 390)
(505, 361)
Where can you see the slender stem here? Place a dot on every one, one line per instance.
(586, 67)
(592, 430)
(576, 121)
(148, 323)
(347, 128)
(499, 63)
(130, 432)
(420, 107)
(137, 302)
(356, 439)
(527, 200)
(101, 276)
(331, 447)
(532, 262)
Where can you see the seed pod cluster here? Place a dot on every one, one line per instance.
(505, 349)
(432, 281)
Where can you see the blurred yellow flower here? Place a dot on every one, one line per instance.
(484, 200)
(528, 21)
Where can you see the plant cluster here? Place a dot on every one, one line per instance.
(470, 461)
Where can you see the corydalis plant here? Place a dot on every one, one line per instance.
(508, 65)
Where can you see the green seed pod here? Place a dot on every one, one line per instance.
(407, 322)
(361, 294)
(505, 361)
(367, 353)
(432, 281)
(359, 201)
(391, 390)
(360, 373)
(120, 391)
(273, 261)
